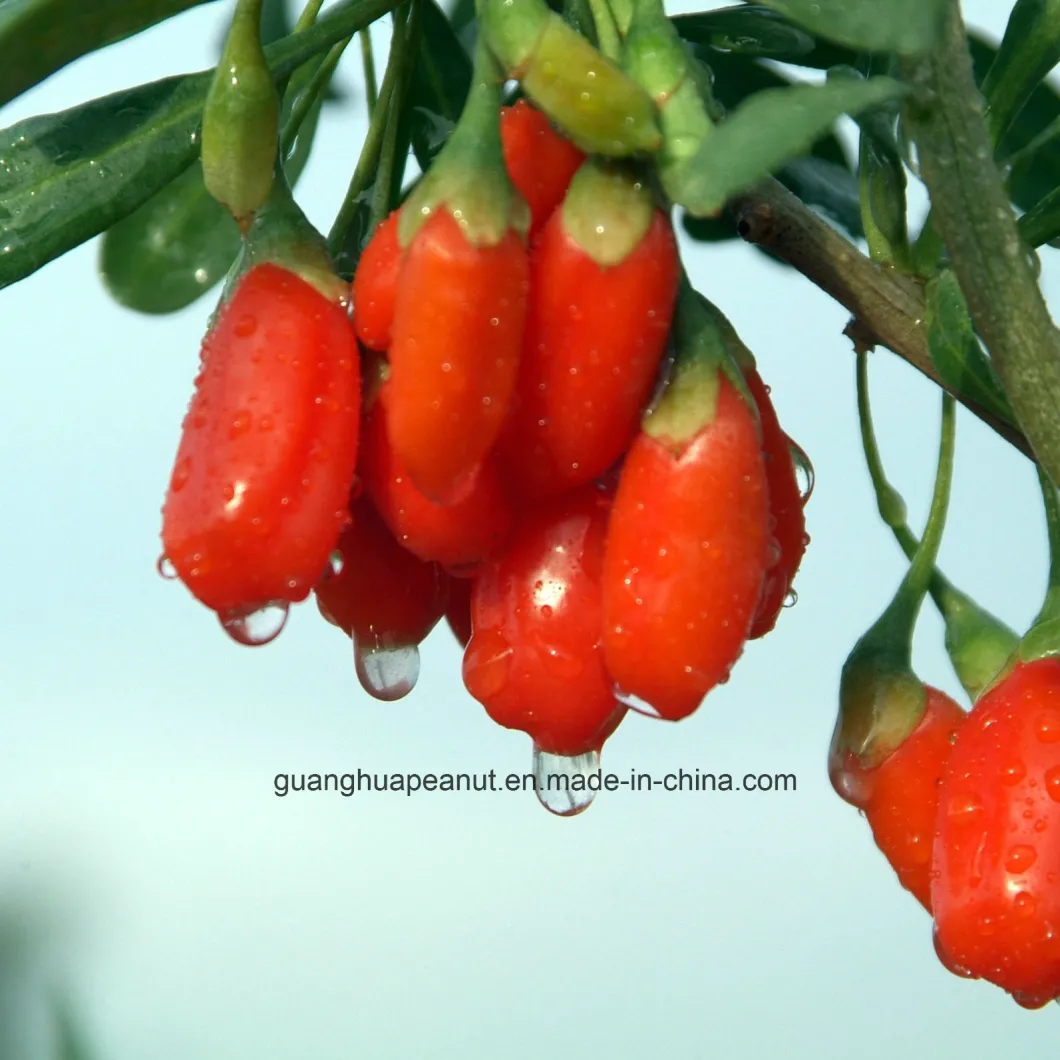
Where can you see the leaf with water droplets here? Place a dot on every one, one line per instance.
(955, 350)
(38, 37)
(767, 130)
(68, 176)
(904, 26)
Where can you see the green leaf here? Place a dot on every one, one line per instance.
(439, 83)
(171, 250)
(904, 26)
(766, 131)
(1035, 169)
(1029, 49)
(66, 177)
(746, 30)
(38, 37)
(829, 187)
(1042, 224)
(955, 349)
(180, 243)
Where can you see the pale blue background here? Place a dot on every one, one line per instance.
(191, 914)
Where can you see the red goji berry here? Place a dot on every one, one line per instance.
(269, 446)
(603, 279)
(385, 599)
(540, 161)
(534, 659)
(685, 558)
(786, 504)
(458, 536)
(458, 610)
(900, 796)
(375, 286)
(458, 327)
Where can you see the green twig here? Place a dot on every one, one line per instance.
(371, 90)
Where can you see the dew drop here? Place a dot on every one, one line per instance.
(634, 702)
(1052, 783)
(165, 568)
(387, 673)
(561, 781)
(1047, 726)
(947, 961)
(804, 475)
(791, 599)
(1020, 858)
(255, 627)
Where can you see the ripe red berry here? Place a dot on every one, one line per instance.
(997, 844)
(375, 286)
(685, 558)
(534, 659)
(269, 445)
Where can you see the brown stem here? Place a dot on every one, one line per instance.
(887, 306)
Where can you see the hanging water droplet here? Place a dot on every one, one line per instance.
(165, 568)
(804, 475)
(641, 706)
(335, 565)
(791, 599)
(257, 627)
(387, 673)
(562, 782)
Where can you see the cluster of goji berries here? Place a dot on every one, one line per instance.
(966, 807)
(495, 431)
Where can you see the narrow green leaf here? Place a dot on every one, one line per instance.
(38, 37)
(1042, 224)
(955, 349)
(904, 26)
(66, 177)
(747, 30)
(439, 83)
(1035, 166)
(766, 131)
(1029, 49)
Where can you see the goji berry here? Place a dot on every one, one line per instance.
(540, 161)
(269, 446)
(534, 659)
(375, 285)
(603, 279)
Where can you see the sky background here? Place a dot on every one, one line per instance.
(185, 911)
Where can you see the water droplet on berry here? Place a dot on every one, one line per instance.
(947, 961)
(634, 702)
(561, 781)
(1047, 726)
(165, 568)
(1020, 858)
(804, 475)
(387, 673)
(256, 627)
(791, 599)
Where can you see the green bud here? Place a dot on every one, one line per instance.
(241, 119)
(598, 106)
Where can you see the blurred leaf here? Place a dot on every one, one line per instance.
(767, 130)
(38, 37)
(180, 243)
(955, 350)
(66, 177)
(171, 250)
(905, 26)
(1029, 49)
(275, 21)
(69, 1038)
(829, 187)
(439, 83)
(747, 30)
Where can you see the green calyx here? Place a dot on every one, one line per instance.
(702, 339)
(660, 62)
(599, 107)
(1043, 638)
(607, 211)
(281, 234)
(978, 644)
(468, 178)
(241, 120)
(881, 700)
